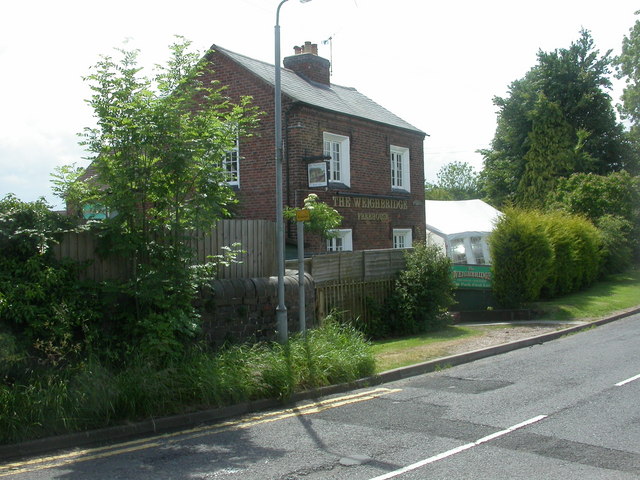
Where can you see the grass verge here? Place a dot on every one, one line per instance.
(395, 353)
(614, 293)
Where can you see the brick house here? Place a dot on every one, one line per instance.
(355, 155)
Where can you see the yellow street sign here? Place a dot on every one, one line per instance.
(303, 215)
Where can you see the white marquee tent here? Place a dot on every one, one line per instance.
(461, 228)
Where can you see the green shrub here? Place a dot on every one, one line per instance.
(422, 295)
(617, 245)
(522, 258)
(41, 299)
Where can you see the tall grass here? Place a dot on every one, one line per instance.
(44, 402)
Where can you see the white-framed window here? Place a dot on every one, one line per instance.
(402, 238)
(231, 165)
(337, 147)
(341, 241)
(400, 168)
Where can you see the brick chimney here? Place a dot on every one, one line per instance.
(308, 64)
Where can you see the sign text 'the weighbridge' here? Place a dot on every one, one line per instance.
(370, 203)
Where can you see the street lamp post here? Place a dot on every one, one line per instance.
(281, 309)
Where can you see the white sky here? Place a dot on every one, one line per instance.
(435, 64)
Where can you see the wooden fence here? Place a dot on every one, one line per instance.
(255, 236)
(353, 282)
(363, 265)
(353, 298)
(257, 239)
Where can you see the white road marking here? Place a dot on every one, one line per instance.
(459, 449)
(628, 380)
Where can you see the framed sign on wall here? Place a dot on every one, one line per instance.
(317, 174)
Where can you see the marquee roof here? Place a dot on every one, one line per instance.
(449, 218)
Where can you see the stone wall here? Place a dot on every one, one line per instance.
(245, 309)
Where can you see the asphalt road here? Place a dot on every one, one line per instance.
(566, 409)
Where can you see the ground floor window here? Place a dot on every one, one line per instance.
(402, 238)
(341, 241)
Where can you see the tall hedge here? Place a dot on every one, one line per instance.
(522, 258)
(576, 252)
(543, 255)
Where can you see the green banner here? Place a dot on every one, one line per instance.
(472, 276)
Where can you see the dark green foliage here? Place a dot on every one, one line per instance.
(611, 202)
(522, 258)
(434, 192)
(422, 295)
(29, 229)
(582, 131)
(536, 254)
(628, 65)
(552, 154)
(597, 195)
(41, 300)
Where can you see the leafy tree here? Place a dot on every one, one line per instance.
(595, 196)
(157, 170)
(456, 181)
(611, 202)
(551, 155)
(433, 192)
(628, 67)
(575, 81)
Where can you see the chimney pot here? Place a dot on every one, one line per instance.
(308, 64)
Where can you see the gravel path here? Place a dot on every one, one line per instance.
(497, 335)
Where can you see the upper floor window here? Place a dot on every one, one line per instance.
(341, 241)
(400, 168)
(402, 238)
(337, 147)
(231, 165)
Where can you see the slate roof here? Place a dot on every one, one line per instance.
(332, 97)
